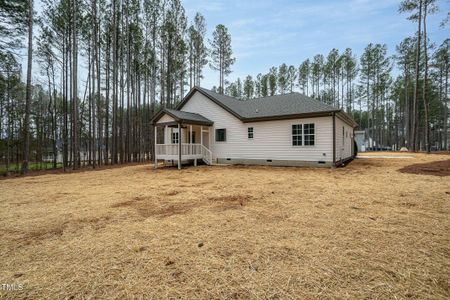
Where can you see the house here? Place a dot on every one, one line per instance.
(283, 130)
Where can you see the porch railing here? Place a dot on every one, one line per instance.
(173, 149)
(191, 151)
(206, 155)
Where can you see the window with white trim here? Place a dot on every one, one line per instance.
(297, 134)
(303, 134)
(309, 134)
(174, 137)
(221, 135)
(250, 132)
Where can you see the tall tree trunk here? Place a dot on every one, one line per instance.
(76, 150)
(415, 114)
(114, 86)
(107, 155)
(425, 99)
(65, 104)
(26, 125)
(446, 68)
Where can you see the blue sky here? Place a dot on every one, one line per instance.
(267, 33)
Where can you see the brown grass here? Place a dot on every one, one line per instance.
(436, 168)
(365, 231)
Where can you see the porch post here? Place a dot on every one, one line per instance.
(201, 135)
(165, 135)
(156, 139)
(179, 146)
(190, 138)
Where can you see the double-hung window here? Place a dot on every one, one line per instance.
(250, 133)
(221, 135)
(303, 134)
(308, 134)
(297, 133)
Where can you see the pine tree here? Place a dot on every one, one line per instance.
(316, 75)
(14, 24)
(26, 123)
(405, 58)
(441, 61)
(248, 87)
(415, 8)
(265, 85)
(272, 81)
(258, 85)
(283, 78)
(197, 49)
(221, 54)
(303, 77)
(291, 78)
(349, 73)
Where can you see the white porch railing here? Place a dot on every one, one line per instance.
(206, 155)
(188, 151)
(173, 149)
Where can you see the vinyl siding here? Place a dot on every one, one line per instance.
(343, 150)
(272, 139)
(166, 118)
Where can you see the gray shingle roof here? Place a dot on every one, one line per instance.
(184, 116)
(287, 106)
(272, 106)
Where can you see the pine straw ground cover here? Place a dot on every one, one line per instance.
(365, 231)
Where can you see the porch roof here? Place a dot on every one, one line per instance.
(182, 117)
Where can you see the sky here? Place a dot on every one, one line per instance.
(268, 33)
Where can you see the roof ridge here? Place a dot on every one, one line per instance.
(279, 95)
(282, 106)
(269, 96)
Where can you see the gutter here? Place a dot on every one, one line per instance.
(288, 117)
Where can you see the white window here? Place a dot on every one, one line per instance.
(309, 133)
(303, 134)
(297, 133)
(250, 132)
(174, 137)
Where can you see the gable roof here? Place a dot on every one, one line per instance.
(183, 117)
(287, 106)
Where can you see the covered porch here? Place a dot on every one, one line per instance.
(181, 137)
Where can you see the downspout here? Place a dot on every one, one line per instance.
(334, 139)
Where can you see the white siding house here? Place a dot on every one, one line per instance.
(290, 130)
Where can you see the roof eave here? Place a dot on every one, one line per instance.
(290, 116)
(191, 122)
(346, 118)
(163, 111)
(157, 116)
(196, 89)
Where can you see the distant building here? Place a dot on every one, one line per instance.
(360, 139)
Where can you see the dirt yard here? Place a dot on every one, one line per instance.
(366, 231)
